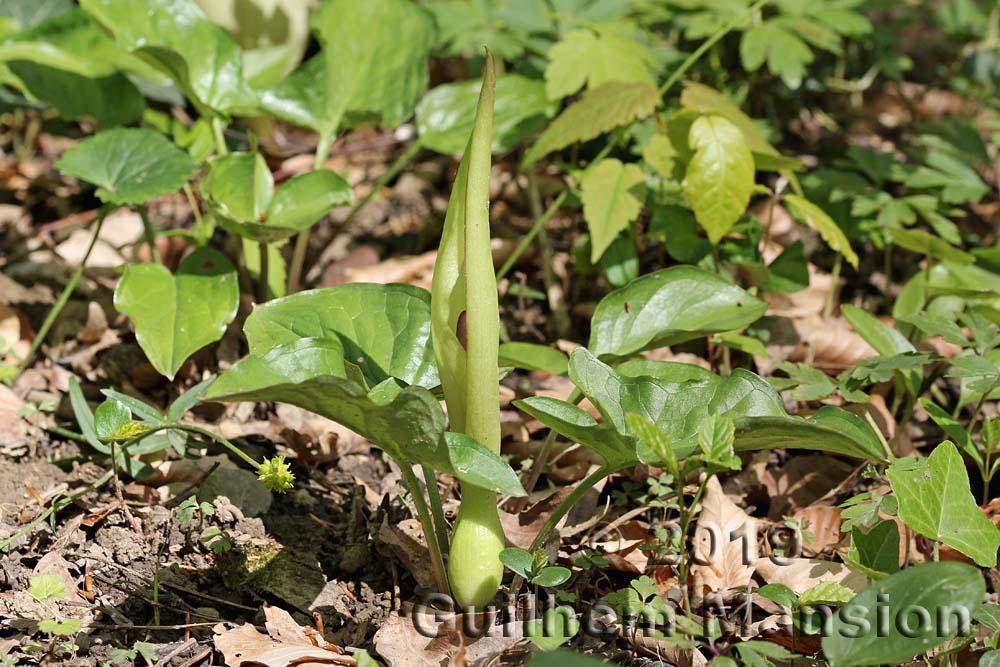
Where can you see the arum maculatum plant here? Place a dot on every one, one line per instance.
(377, 358)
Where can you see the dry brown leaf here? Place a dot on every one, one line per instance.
(438, 643)
(407, 542)
(801, 574)
(822, 522)
(719, 545)
(802, 481)
(14, 292)
(286, 643)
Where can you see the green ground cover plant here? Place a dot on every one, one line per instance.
(749, 256)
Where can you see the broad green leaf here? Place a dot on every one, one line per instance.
(556, 627)
(319, 375)
(110, 100)
(990, 659)
(380, 78)
(65, 628)
(533, 357)
(574, 423)
(518, 561)
(720, 175)
(385, 329)
(935, 500)
(302, 200)
(46, 586)
(445, 114)
(831, 429)
(678, 407)
(551, 576)
(241, 188)
(70, 42)
(583, 57)
(176, 37)
(612, 195)
(129, 166)
(952, 428)
(110, 418)
(989, 615)
(473, 463)
(886, 340)
(926, 604)
(698, 98)
(925, 243)
(667, 307)
(177, 315)
(600, 110)
(85, 417)
(811, 214)
(779, 593)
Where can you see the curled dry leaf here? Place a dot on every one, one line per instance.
(801, 574)
(286, 643)
(724, 542)
(822, 524)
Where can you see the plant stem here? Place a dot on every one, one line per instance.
(195, 210)
(530, 236)
(67, 291)
(830, 294)
(562, 509)
(262, 275)
(220, 137)
(707, 44)
(302, 240)
(437, 511)
(147, 229)
(433, 546)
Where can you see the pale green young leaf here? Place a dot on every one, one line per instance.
(600, 110)
(176, 315)
(612, 195)
(655, 439)
(935, 501)
(583, 57)
(65, 628)
(555, 628)
(715, 437)
(660, 154)
(47, 586)
(720, 175)
(811, 214)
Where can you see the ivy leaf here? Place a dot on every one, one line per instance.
(811, 214)
(600, 110)
(876, 552)
(129, 165)
(612, 195)
(937, 592)
(935, 500)
(720, 175)
(177, 315)
(583, 57)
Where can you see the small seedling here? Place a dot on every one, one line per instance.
(534, 568)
